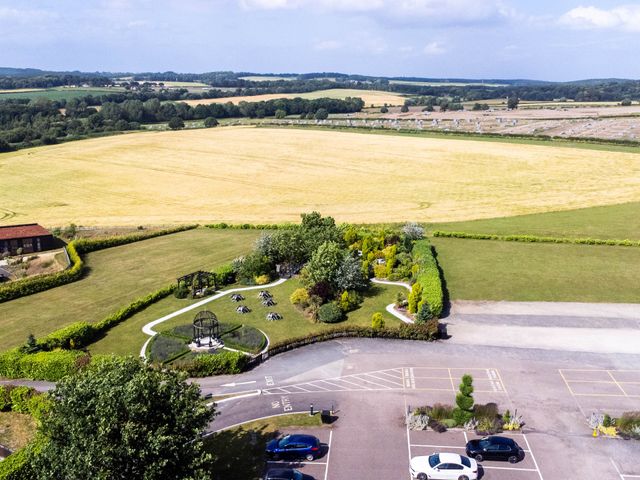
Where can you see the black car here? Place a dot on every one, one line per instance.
(294, 446)
(283, 474)
(495, 448)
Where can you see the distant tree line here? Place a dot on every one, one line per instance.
(52, 80)
(41, 121)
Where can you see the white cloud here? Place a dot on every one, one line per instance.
(434, 48)
(435, 12)
(325, 45)
(625, 17)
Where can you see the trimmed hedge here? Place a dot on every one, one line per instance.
(426, 332)
(75, 248)
(17, 466)
(29, 286)
(537, 239)
(86, 245)
(222, 363)
(428, 276)
(250, 226)
(50, 366)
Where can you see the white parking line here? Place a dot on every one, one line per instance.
(283, 462)
(326, 469)
(384, 379)
(487, 467)
(532, 456)
(436, 446)
(617, 469)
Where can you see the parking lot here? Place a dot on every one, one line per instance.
(427, 442)
(316, 469)
(603, 391)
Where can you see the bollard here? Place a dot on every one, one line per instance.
(311, 410)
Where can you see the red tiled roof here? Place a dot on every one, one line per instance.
(11, 232)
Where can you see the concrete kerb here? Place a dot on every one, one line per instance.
(391, 307)
(148, 328)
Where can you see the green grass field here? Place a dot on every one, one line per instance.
(611, 221)
(127, 338)
(118, 276)
(493, 270)
(59, 93)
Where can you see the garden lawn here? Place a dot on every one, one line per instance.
(127, 338)
(611, 221)
(117, 276)
(495, 270)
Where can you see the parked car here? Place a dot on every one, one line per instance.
(283, 474)
(294, 446)
(444, 466)
(495, 448)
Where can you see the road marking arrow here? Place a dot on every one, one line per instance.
(238, 383)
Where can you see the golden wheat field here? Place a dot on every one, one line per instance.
(369, 97)
(259, 175)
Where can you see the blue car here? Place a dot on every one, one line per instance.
(294, 446)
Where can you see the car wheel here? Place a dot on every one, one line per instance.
(513, 459)
(479, 458)
(422, 476)
(309, 457)
(463, 477)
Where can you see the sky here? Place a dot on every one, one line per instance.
(534, 39)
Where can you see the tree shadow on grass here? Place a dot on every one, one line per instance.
(239, 454)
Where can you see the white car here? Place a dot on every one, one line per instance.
(444, 466)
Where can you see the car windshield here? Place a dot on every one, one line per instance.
(283, 441)
(465, 461)
(484, 443)
(434, 460)
(297, 475)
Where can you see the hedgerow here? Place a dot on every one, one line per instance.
(426, 332)
(428, 276)
(537, 239)
(51, 366)
(86, 245)
(251, 226)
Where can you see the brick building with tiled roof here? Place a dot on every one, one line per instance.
(29, 237)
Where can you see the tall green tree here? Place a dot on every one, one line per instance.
(121, 419)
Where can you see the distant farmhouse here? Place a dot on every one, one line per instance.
(29, 237)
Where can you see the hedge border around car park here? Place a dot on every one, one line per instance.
(428, 276)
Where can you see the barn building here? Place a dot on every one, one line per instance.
(29, 237)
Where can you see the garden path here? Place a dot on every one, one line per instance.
(391, 307)
(148, 328)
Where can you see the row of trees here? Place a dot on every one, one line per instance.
(52, 80)
(40, 121)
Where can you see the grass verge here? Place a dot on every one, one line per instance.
(482, 270)
(239, 451)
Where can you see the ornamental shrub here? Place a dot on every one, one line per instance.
(428, 276)
(377, 322)
(414, 297)
(424, 313)
(330, 313)
(300, 298)
(464, 400)
(380, 271)
(5, 397)
(262, 279)
(349, 301)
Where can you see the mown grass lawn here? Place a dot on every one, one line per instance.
(495, 270)
(127, 338)
(611, 221)
(117, 276)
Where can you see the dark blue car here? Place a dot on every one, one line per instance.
(294, 446)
